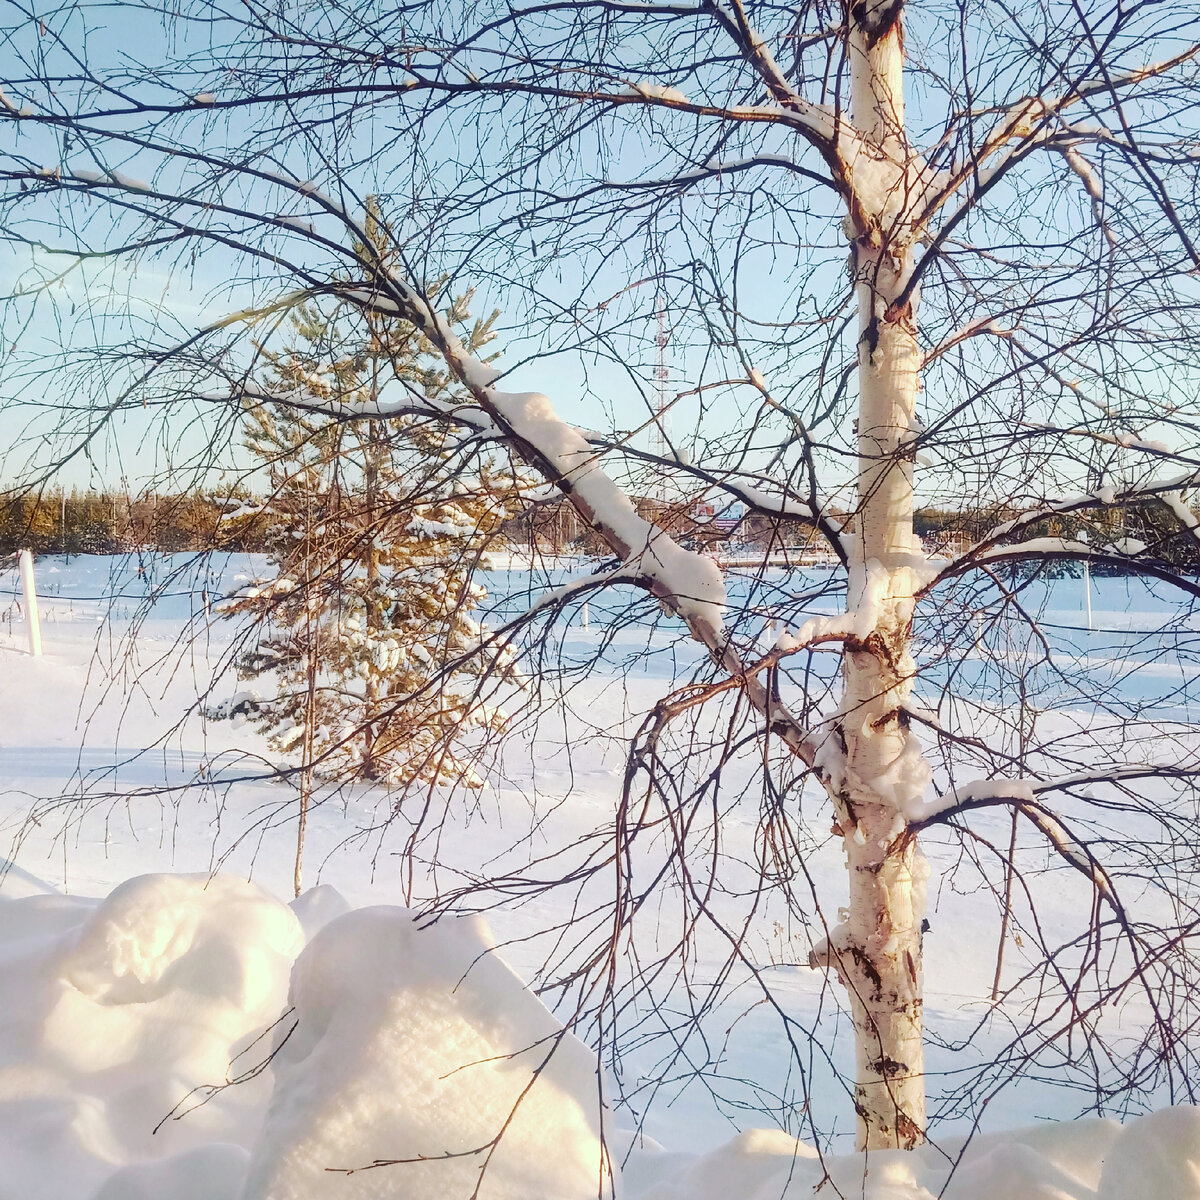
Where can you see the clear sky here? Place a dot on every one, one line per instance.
(579, 326)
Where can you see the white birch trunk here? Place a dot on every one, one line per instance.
(873, 765)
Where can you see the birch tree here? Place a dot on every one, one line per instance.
(950, 244)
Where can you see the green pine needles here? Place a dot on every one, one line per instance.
(377, 527)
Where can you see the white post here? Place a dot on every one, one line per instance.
(586, 615)
(31, 606)
(1087, 583)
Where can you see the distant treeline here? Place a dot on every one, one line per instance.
(1149, 523)
(92, 522)
(97, 522)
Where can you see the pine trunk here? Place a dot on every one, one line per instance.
(373, 617)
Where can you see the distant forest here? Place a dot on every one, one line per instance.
(94, 522)
(91, 522)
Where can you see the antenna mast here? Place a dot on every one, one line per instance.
(662, 443)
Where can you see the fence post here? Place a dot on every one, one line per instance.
(31, 607)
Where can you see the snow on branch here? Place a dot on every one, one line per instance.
(690, 582)
(1074, 852)
(1034, 120)
(111, 179)
(983, 327)
(1173, 499)
(1093, 185)
(714, 170)
(781, 505)
(817, 123)
(655, 91)
(985, 793)
(557, 597)
(769, 504)
(1023, 795)
(411, 404)
(996, 546)
(754, 48)
(687, 583)
(821, 124)
(1050, 549)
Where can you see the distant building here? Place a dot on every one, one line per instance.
(947, 543)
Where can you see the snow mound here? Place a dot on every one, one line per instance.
(1079, 1160)
(318, 906)
(759, 1162)
(397, 1040)
(1157, 1155)
(421, 1045)
(111, 1012)
(219, 939)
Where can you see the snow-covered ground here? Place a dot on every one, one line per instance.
(149, 956)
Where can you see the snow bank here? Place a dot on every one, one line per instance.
(1154, 1156)
(212, 1172)
(112, 1012)
(758, 1162)
(1157, 1155)
(397, 1042)
(419, 1044)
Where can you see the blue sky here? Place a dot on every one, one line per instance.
(169, 295)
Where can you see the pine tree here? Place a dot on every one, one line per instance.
(376, 530)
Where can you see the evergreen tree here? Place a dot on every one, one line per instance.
(376, 529)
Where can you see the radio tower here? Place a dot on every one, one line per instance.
(661, 444)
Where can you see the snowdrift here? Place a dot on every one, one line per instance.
(419, 1045)
(376, 1056)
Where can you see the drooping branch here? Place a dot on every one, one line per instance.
(687, 583)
